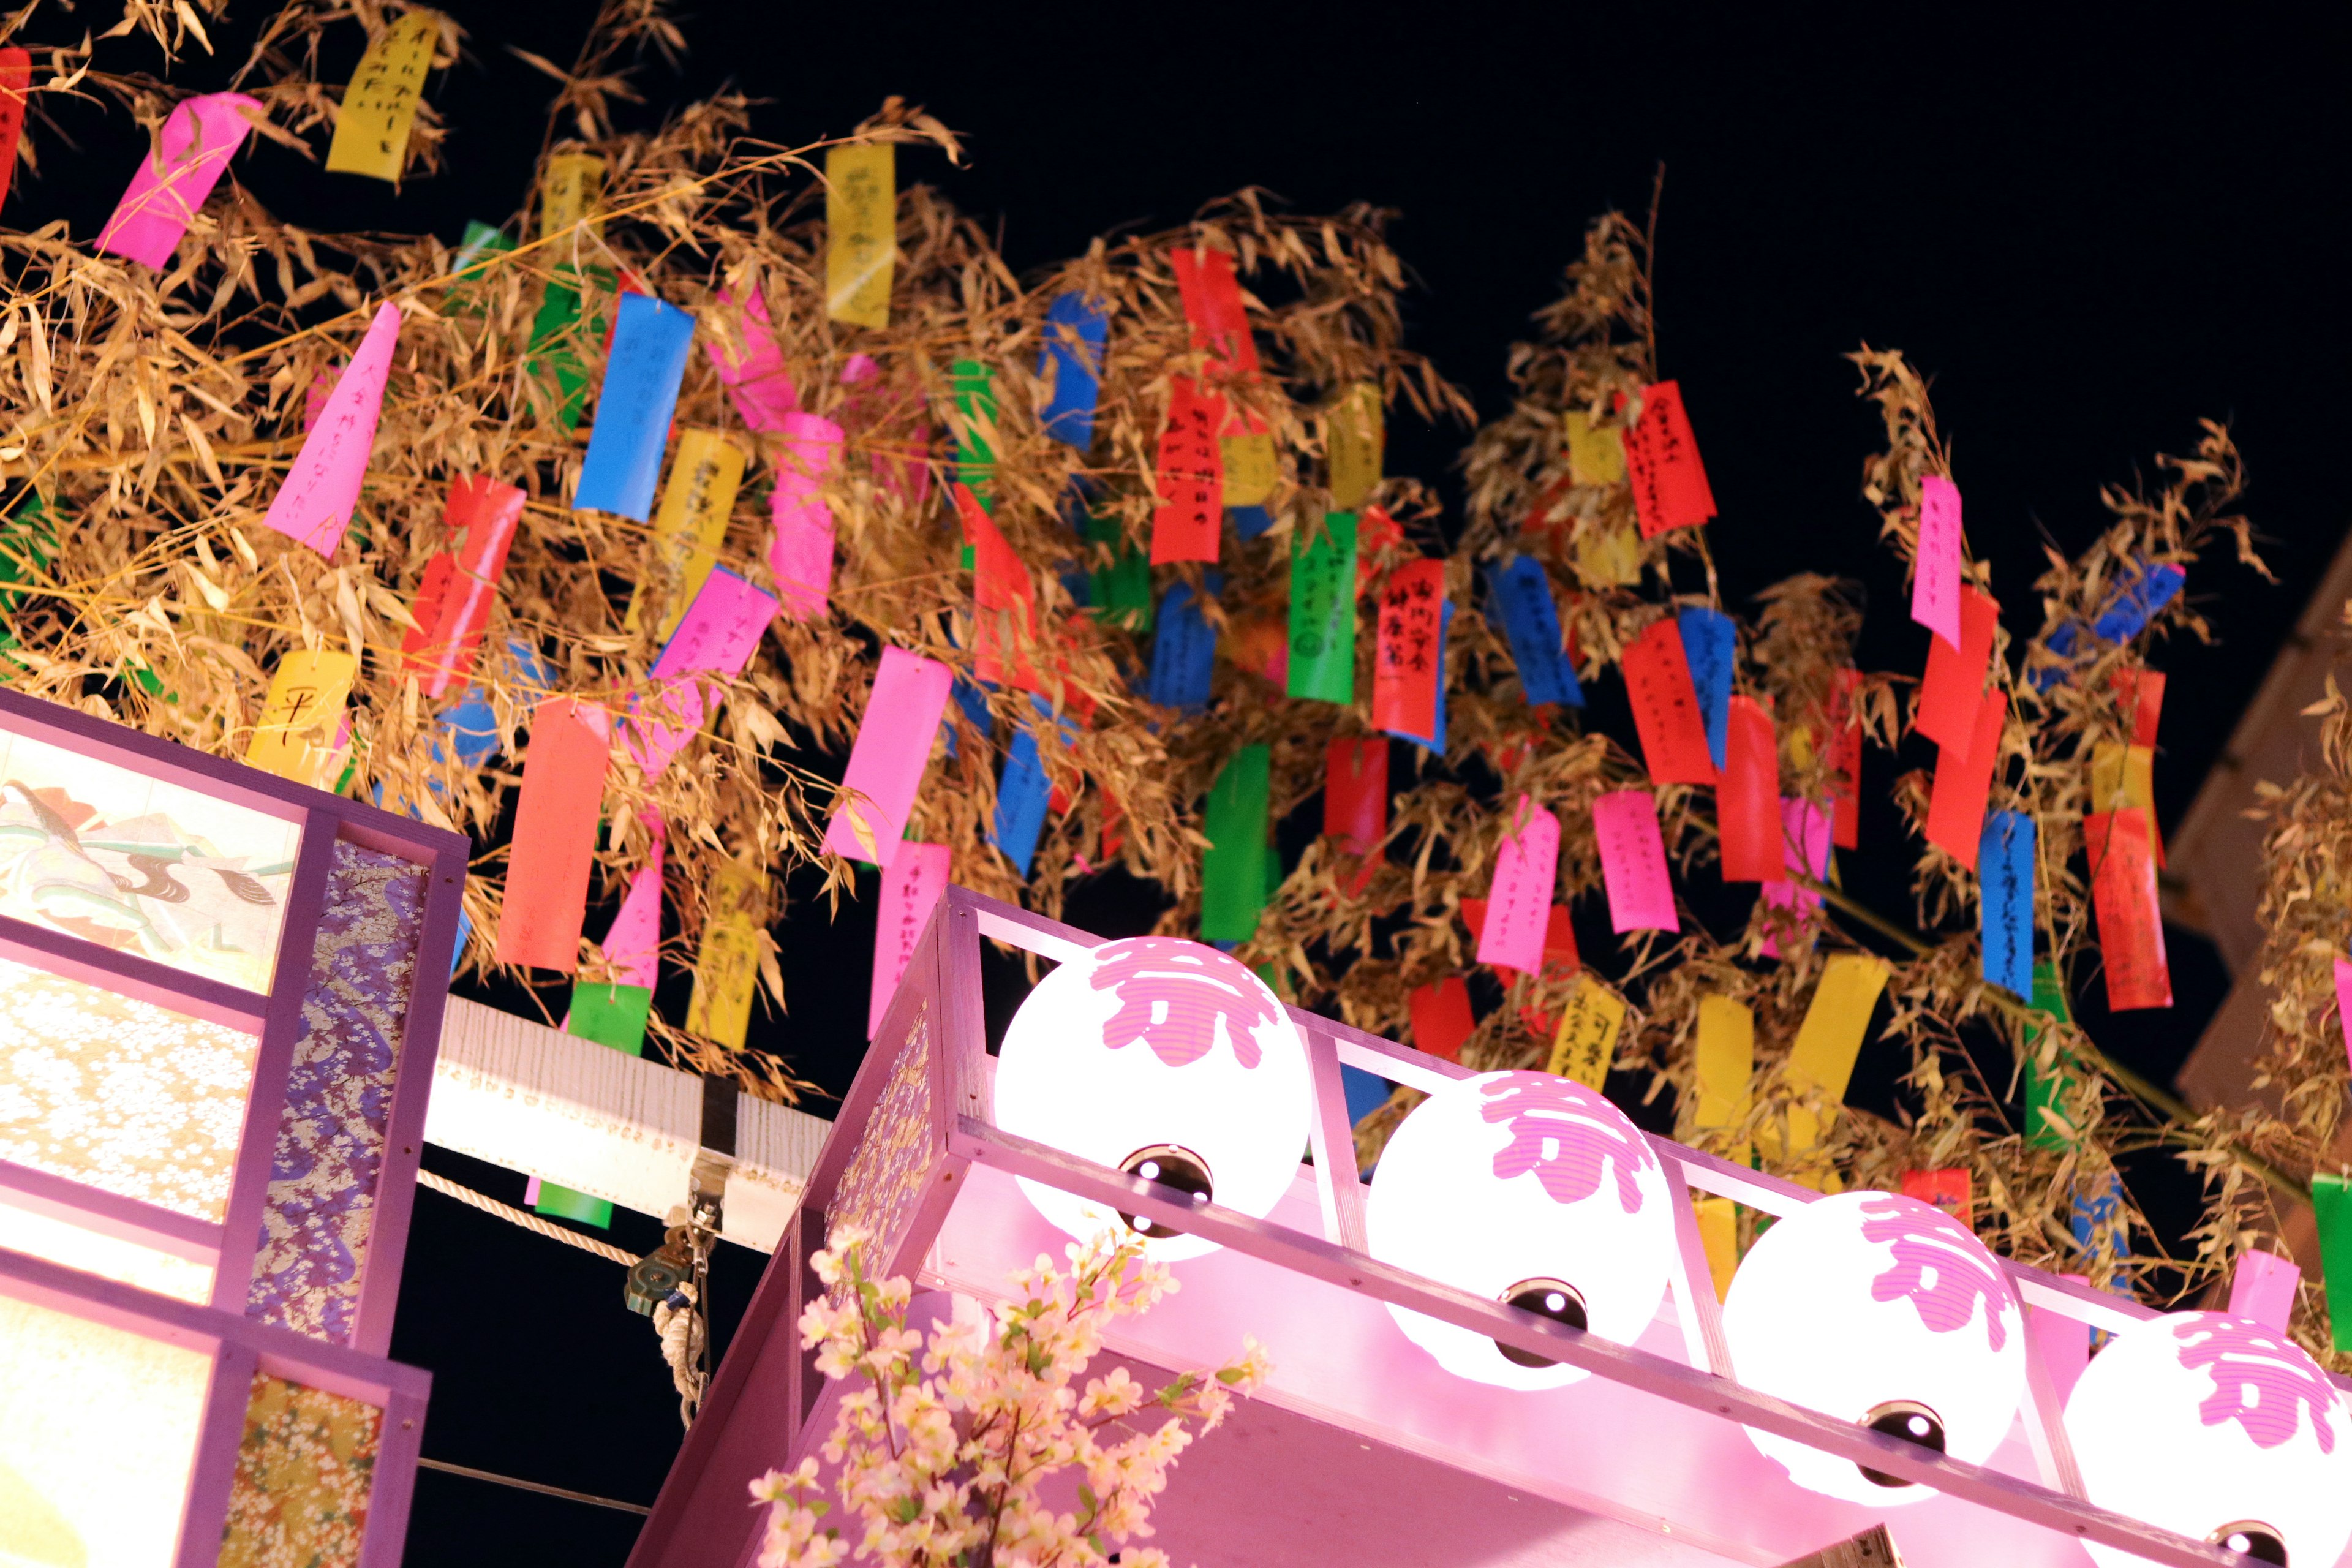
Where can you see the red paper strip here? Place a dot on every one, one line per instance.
(453, 601)
(2123, 896)
(1949, 1190)
(1190, 476)
(16, 88)
(1670, 488)
(1376, 533)
(2141, 694)
(1844, 758)
(555, 836)
(1004, 601)
(1747, 800)
(1213, 304)
(1951, 691)
(1356, 793)
(1405, 666)
(1440, 1018)
(1955, 807)
(1666, 707)
(1559, 951)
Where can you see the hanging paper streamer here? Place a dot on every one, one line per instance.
(632, 943)
(1252, 469)
(1531, 621)
(1559, 942)
(555, 840)
(1949, 1190)
(2123, 896)
(2331, 1204)
(691, 523)
(1075, 331)
(633, 408)
(314, 505)
(1586, 1043)
(1441, 1016)
(861, 219)
(1666, 713)
(1804, 851)
(727, 966)
(800, 551)
(16, 90)
(887, 759)
(1005, 600)
(379, 104)
(1936, 573)
(754, 375)
(1023, 791)
(1519, 903)
(1435, 740)
(302, 717)
(1357, 441)
(1845, 757)
(570, 196)
(1323, 611)
(453, 601)
(556, 334)
(2125, 776)
(1820, 1062)
(1234, 870)
(610, 1014)
(1724, 1069)
(2045, 1093)
(1213, 306)
(910, 891)
(1190, 476)
(2140, 694)
(1183, 653)
(714, 641)
(199, 137)
(1956, 806)
(2262, 1287)
(2145, 591)
(1609, 556)
(1710, 644)
(2344, 1003)
(1747, 798)
(1409, 660)
(481, 243)
(1953, 689)
(1719, 1233)
(974, 426)
(1596, 455)
(1356, 794)
(1633, 861)
(2005, 874)
(1670, 488)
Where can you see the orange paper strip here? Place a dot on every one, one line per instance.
(1952, 691)
(1191, 472)
(555, 836)
(1747, 800)
(1964, 782)
(1666, 707)
(2123, 896)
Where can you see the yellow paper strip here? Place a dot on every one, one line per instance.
(1718, 1230)
(2124, 776)
(1596, 456)
(1725, 1063)
(691, 523)
(1251, 469)
(1356, 441)
(1828, 1041)
(379, 104)
(574, 190)
(1609, 556)
(296, 736)
(1586, 1041)
(728, 964)
(861, 218)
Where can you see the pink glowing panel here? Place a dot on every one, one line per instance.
(138, 864)
(37, 1233)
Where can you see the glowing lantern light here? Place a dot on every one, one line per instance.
(1885, 1311)
(1166, 1059)
(1532, 1190)
(2221, 1429)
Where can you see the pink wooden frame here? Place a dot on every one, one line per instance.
(275, 1015)
(1667, 1412)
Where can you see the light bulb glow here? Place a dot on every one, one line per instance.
(1162, 1057)
(2213, 1425)
(1514, 1181)
(1864, 1306)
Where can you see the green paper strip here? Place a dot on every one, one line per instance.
(975, 399)
(611, 1016)
(1120, 593)
(481, 243)
(563, 1203)
(1323, 612)
(1233, 872)
(555, 336)
(2046, 1092)
(2331, 1200)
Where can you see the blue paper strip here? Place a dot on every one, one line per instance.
(1183, 653)
(2005, 890)
(1074, 333)
(1249, 522)
(1531, 622)
(2137, 603)
(1436, 739)
(472, 728)
(1709, 644)
(465, 935)
(1366, 1092)
(973, 701)
(1021, 792)
(633, 408)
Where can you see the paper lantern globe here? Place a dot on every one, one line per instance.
(1166, 1059)
(2221, 1429)
(1528, 1189)
(1885, 1311)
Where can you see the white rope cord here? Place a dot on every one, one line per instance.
(448, 1188)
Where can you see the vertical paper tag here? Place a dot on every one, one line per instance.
(1936, 572)
(1719, 1233)
(861, 219)
(1596, 456)
(1005, 600)
(1440, 1018)
(2344, 1003)
(554, 842)
(2125, 776)
(1948, 1190)
(1183, 653)
(1356, 793)
(571, 195)
(800, 549)
(1956, 806)
(1845, 757)
(714, 638)
(691, 525)
(1409, 658)
(2331, 1204)
(1610, 555)
(1075, 331)
(478, 522)
(1357, 442)
(973, 421)
(632, 943)
(16, 90)
(910, 891)
(1190, 476)
(2262, 1287)
(754, 376)
(1586, 1043)
(314, 505)
(2123, 896)
(1634, 862)
(1670, 488)
(1666, 707)
(727, 966)
(1213, 306)
(1953, 688)
(1518, 905)
(379, 104)
(1323, 611)
(2005, 877)
(634, 407)
(1232, 871)
(2140, 694)
(295, 737)
(1747, 798)
(1251, 468)
(1805, 850)
(192, 153)
(1022, 793)
(2143, 590)
(1821, 1060)
(887, 759)
(1710, 647)
(1723, 1066)
(1522, 593)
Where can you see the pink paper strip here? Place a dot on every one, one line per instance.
(800, 553)
(1935, 575)
(1805, 849)
(762, 389)
(633, 944)
(910, 887)
(716, 636)
(200, 136)
(1518, 906)
(887, 762)
(2262, 1287)
(2344, 1002)
(1634, 862)
(314, 505)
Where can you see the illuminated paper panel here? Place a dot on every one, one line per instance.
(37, 1234)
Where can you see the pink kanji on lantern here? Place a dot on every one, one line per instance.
(1557, 1133)
(1937, 1265)
(2261, 1380)
(1172, 994)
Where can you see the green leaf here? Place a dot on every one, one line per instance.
(905, 1510)
(1231, 1376)
(1086, 1500)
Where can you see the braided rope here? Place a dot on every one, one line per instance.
(448, 1188)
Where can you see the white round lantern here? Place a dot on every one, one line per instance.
(2220, 1429)
(1532, 1190)
(1169, 1060)
(1885, 1311)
